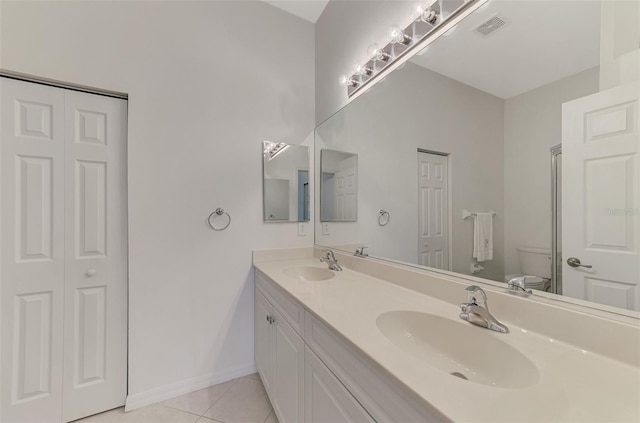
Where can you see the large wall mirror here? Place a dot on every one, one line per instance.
(285, 182)
(508, 144)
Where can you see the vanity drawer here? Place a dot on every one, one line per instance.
(384, 399)
(290, 310)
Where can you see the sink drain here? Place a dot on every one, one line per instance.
(458, 374)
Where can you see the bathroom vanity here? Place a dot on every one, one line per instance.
(383, 342)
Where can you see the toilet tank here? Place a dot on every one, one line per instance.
(535, 261)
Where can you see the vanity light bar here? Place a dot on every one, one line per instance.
(272, 149)
(430, 21)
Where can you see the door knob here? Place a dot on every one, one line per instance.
(91, 272)
(575, 262)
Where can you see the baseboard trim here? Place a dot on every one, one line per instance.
(186, 386)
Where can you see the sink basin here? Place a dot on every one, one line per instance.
(309, 273)
(459, 349)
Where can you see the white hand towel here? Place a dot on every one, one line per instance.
(483, 237)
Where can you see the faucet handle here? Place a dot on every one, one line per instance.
(472, 291)
(360, 252)
(329, 254)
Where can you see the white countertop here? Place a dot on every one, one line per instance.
(574, 384)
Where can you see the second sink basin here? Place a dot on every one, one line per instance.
(465, 351)
(309, 273)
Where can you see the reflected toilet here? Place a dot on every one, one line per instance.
(535, 266)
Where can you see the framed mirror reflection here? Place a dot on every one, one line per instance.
(338, 186)
(285, 182)
(506, 150)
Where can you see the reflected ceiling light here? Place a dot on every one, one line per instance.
(347, 81)
(451, 31)
(396, 35)
(422, 11)
(375, 52)
(272, 149)
(423, 51)
(360, 69)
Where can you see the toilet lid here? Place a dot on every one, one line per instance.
(530, 281)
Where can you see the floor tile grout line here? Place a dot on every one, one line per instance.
(180, 409)
(233, 381)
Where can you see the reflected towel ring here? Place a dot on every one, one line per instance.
(219, 212)
(382, 221)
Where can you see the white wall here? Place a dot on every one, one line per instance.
(532, 125)
(344, 31)
(207, 83)
(418, 108)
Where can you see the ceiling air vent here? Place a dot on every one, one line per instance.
(492, 25)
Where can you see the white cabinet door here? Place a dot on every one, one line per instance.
(600, 197)
(326, 400)
(31, 251)
(262, 335)
(95, 327)
(288, 371)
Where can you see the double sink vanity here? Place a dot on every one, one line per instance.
(380, 341)
(496, 291)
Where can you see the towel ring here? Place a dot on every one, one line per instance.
(381, 220)
(219, 212)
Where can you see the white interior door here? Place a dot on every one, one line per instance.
(31, 251)
(600, 189)
(63, 251)
(433, 210)
(95, 327)
(346, 189)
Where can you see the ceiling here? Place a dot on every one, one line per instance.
(544, 42)
(309, 10)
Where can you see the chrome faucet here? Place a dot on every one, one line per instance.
(331, 260)
(360, 252)
(478, 314)
(516, 285)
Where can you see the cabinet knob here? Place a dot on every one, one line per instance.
(91, 272)
(271, 320)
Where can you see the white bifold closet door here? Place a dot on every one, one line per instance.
(63, 253)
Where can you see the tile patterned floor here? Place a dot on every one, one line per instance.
(241, 400)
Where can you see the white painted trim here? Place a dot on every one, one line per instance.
(186, 386)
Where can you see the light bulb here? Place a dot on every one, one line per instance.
(397, 35)
(375, 52)
(416, 11)
(346, 81)
(422, 12)
(360, 69)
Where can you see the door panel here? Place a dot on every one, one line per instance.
(600, 197)
(32, 344)
(433, 213)
(96, 255)
(34, 214)
(32, 246)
